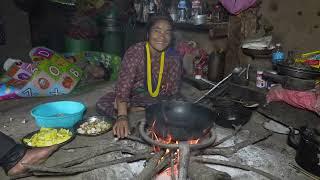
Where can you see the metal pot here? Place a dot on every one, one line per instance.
(297, 72)
(199, 19)
(308, 150)
(181, 120)
(174, 16)
(231, 113)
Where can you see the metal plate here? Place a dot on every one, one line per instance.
(297, 72)
(34, 132)
(101, 118)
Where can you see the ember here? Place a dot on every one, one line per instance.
(172, 171)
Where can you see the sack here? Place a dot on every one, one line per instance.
(237, 6)
(307, 100)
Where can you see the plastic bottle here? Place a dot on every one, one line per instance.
(182, 11)
(278, 54)
(260, 82)
(196, 7)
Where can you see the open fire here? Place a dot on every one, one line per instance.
(172, 171)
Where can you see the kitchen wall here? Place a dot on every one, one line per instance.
(296, 24)
(17, 32)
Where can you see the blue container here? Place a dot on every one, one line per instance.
(60, 114)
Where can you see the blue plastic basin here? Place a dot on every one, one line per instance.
(60, 114)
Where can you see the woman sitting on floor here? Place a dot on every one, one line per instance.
(150, 71)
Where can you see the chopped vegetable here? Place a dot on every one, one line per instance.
(93, 127)
(48, 137)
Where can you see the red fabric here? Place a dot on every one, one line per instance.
(309, 100)
(237, 6)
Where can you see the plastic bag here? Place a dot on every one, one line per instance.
(308, 100)
(237, 6)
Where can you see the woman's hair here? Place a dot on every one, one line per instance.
(154, 19)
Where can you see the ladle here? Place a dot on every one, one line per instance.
(235, 70)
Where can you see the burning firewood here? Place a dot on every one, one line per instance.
(147, 172)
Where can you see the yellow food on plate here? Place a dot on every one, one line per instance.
(48, 137)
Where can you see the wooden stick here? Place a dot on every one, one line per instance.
(24, 175)
(306, 173)
(235, 132)
(95, 153)
(86, 168)
(236, 165)
(147, 172)
(173, 176)
(229, 151)
(184, 157)
(137, 139)
(163, 164)
(198, 170)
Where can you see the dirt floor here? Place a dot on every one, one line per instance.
(272, 155)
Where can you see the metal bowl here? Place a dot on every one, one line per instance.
(199, 19)
(93, 119)
(174, 16)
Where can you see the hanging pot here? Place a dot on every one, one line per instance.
(308, 150)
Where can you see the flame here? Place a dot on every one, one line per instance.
(194, 141)
(168, 140)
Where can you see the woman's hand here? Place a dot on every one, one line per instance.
(121, 127)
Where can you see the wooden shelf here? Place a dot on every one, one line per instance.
(202, 27)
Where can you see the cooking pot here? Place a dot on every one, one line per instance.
(231, 113)
(181, 120)
(307, 145)
(199, 19)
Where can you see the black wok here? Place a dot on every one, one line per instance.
(181, 120)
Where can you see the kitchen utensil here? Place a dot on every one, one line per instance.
(174, 16)
(235, 70)
(258, 53)
(231, 113)
(59, 114)
(216, 65)
(199, 19)
(247, 104)
(180, 120)
(28, 136)
(289, 82)
(95, 118)
(296, 72)
(308, 149)
(204, 80)
(301, 170)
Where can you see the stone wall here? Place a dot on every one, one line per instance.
(17, 32)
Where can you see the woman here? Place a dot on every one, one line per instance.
(150, 71)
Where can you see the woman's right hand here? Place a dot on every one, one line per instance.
(121, 128)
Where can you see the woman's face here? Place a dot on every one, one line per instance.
(160, 35)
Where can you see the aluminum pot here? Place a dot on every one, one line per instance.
(199, 19)
(174, 16)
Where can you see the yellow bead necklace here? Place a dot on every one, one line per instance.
(149, 74)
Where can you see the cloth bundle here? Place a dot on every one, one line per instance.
(308, 100)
